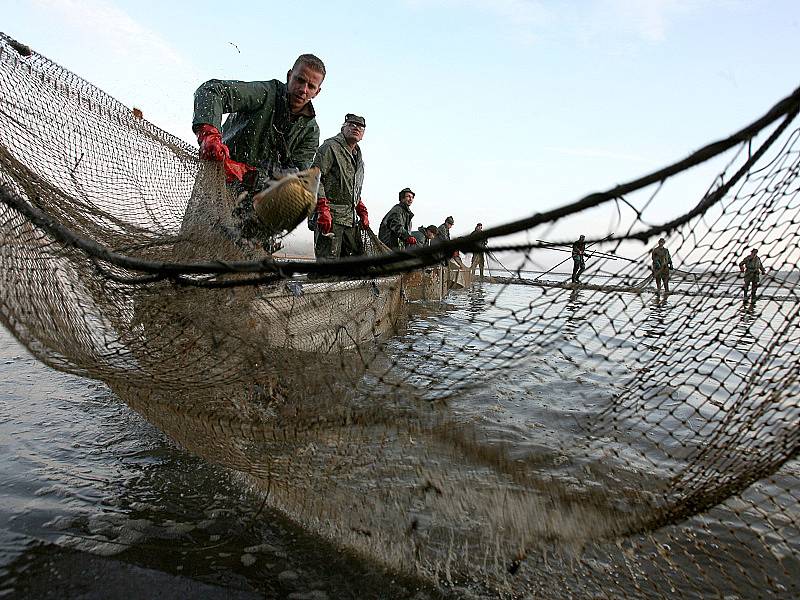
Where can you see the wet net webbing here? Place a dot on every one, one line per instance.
(522, 437)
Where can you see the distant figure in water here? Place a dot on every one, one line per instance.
(662, 263)
(578, 262)
(478, 257)
(752, 268)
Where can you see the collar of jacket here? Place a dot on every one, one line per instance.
(339, 137)
(404, 207)
(306, 111)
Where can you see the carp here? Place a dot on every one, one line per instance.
(287, 201)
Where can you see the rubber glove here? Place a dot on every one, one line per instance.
(211, 146)
(324, 218)
(361, 211)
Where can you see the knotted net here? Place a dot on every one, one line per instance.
(525, 437)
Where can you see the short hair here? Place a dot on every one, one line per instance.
(312, 62)
(432, 229)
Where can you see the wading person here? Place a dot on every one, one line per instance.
(753, 269)
(578, 259)
(341, 214)
(478, 257)
(662, 263)
(395, 229)
(271, 129)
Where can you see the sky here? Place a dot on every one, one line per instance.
(490, 110)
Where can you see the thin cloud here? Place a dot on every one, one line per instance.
(598, 153)
(648, 20)
(112, 28)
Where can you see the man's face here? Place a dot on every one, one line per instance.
(660, 242)
(407, 198)
(353, 132)
(449, 225)
(429, 234)
(303, 84)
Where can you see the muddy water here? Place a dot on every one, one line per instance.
(82, 472)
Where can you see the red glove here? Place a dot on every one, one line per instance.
(235, 170)
(361, 211)
(411, 241)
(324, 218)
(211, 146)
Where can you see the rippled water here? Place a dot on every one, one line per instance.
(82, 472)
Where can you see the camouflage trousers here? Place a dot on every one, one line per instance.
(345, 241)
(751, 281)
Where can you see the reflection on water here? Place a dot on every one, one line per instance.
(585, 421)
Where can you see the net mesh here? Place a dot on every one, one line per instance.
(525, 437)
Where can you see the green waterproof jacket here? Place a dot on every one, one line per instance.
(341, 179)
(259, 130)
(396, 226)
(752, 267)
(662, 262)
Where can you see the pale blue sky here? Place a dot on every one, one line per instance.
(489, 109)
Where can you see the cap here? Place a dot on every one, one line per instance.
(351, 118)
(403, 191)
(449, 220)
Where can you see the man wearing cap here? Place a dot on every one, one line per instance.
(478, 258)
(578, 259)
(395, 230)
(341, 214)
(751, 267)
(424, 235)
(662, 263)
(271, 129)
(444, 230)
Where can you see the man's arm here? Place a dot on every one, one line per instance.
(217, 97)
(324, 161)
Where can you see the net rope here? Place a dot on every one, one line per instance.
(525, 437)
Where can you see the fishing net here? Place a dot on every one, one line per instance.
(523, 437)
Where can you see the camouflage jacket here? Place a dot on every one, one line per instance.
(661, 259)
(341, 179)
(444, 233)
(259, 130)
(752, 266)
(396, 226)
(422, 239)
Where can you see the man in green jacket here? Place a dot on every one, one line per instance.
(662, 263)
(444, 229)
(395, 230)
(424, 235)
(271, 129)
(752, 268)
(341, 214)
